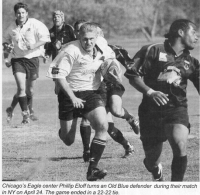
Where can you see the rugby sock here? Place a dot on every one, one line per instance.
(23, 103)
(178, 167)
(85, 135)
(14, 102)
(96, 150)
(116, 134)
(126, 116)
(30, 103)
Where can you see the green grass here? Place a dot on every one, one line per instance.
(35, 152)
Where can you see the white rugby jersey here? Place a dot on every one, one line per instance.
(78, 67)
(31, 32)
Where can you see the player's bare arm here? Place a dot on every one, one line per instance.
(77, 102)
(157, 96)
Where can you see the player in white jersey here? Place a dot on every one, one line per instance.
(27, 36)
(112, 97)
(76, 69)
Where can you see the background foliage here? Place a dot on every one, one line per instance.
(132, 18)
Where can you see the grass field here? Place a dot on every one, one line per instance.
(35, 153)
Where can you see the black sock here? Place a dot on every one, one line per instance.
(178, 167)
(96, 150)
(126, 116)
(23, 103)
(14, 102)
(85, 135)
(116, 134)
(30, 103)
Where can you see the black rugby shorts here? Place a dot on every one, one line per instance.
(28, 66)
(152, 124)
(66, 109)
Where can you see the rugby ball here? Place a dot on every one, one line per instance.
(111, 70)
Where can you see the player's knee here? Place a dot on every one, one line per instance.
(102, 127)
(117, 112)
(85, 122)
(180, 148)
(66, 139)
(20, 92)
(30, 92)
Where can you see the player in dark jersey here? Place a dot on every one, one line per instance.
(60, 34)
(163, 113)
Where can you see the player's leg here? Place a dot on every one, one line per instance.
(85, 131)
(10, 109)
(177, 136)
(67, 131)
(30, 84)
(68, 122)
(152, 160)
(32, 75)
(116, 108)
(98, 121)
(152, 136)
(117, 136)
(20, 79)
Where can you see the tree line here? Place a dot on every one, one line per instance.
(132, 18)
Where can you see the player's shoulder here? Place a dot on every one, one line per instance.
(155, 46)
(72, 48)
(68, 26)
(35, 22)
(151, 50)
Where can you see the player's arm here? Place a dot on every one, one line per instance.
(157, 96)
(7, 47)
(77, 102)
(140, 68)
(59, 69)
(195, 76)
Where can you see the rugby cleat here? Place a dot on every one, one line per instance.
(95, 173)
(10, 114)
(129, 150)
(157, 173)
(86, 156)
(26, 117)
(134, 123)
(33, 117)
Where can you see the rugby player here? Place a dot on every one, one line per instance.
(76, 69)
(27, 36)
(109, 94)
(163, 113)
(60, 34)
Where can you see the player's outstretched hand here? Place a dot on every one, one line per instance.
(159, 98)
(78, 103)
(8, 47)
(45, 59)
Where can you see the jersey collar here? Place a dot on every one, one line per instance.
(170, 49)
(22, 24)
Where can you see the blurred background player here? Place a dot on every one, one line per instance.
(60, 34)
(163, 113)
(27, 36)
(107, 94)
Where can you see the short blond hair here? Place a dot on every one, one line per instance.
(88, 27)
